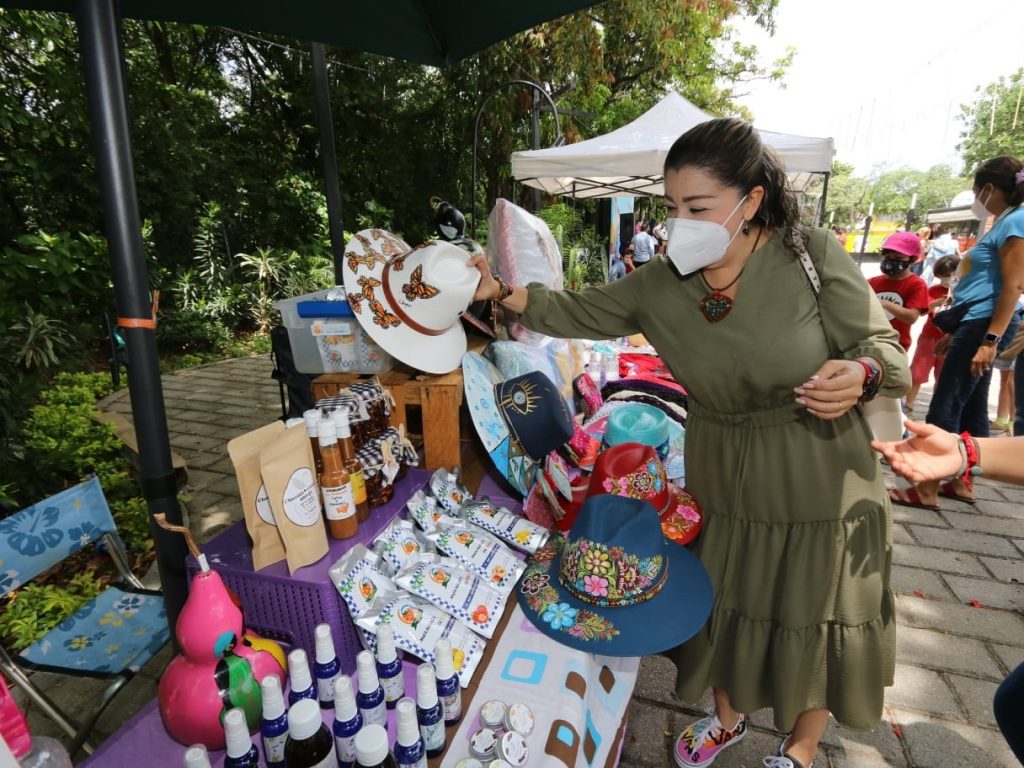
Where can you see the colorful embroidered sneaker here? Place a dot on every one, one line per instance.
(701, 743)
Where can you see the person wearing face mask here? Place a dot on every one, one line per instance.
(941, 244)
(774, 362)
(903, 295)
(926, 361)
(991, 281)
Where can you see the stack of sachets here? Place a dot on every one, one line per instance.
(447, 571)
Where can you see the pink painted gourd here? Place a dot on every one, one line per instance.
(219, 666)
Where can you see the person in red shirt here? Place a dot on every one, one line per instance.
(925, 358)
(903, 294)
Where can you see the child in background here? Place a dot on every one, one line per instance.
(1006, 409)
(904, 295)
(925, 360)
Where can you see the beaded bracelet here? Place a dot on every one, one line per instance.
(504, 289)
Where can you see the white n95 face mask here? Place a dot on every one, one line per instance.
(693, 245)
(978, 209)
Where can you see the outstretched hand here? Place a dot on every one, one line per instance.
(488, 287)
(930, 453)
(833, 390)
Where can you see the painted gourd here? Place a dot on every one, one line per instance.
(220, 666)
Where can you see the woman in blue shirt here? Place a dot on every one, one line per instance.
(991, 281)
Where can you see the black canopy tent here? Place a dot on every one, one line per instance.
(432, 32)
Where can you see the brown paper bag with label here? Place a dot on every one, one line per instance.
(244, 450)
(289, 473)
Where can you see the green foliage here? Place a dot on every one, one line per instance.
(63, 439)
(35, 609)
(993, 122)
(890, 190)
(582, 250)
(189, 331)
(38, 340)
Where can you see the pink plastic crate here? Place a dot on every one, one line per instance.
(286, 607)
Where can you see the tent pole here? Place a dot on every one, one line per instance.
(821, 205)
(328, 158)
(99, 39)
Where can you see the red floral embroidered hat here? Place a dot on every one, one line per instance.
(410, 301)
(615, 585)
(634, 470)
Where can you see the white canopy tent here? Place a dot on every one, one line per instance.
(629, 160)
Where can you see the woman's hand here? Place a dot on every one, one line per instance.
(488, 287)
(930, 453)
(942, 345)
(983, 359)
(833, 390)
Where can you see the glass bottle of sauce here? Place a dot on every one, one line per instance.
(352, 464)
(335, 485)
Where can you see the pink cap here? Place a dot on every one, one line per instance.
(907, 243)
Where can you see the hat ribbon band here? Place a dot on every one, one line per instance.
(618, 602)
(640, 485)
(396, 307)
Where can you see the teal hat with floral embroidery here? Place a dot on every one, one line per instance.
(615, 585)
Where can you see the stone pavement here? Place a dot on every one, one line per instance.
(951, 652)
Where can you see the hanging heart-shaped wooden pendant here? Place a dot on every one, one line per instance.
(716, 307)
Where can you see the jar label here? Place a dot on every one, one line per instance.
(338, 502)
(273, 749)
(394, 687)
(345, 746)
(263, 507)
(433, 735)
(452, 705)
(358, 487)
(421, 763)
(376, 716)
(325, 690)
(300, 502)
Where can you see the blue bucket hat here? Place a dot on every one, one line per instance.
(615, 585)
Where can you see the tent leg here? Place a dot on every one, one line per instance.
(99, 38)
(328, 159)
(821, 205)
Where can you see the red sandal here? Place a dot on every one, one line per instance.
(910, 498)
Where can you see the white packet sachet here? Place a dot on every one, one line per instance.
(448, 490)
(516, 530)
(453, 589)
(424, 510)
(359, 577)
(478, 551)
(418, 626)
(399, 543)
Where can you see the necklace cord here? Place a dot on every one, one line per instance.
(738, 274)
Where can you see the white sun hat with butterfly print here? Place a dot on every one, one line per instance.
(409, 300)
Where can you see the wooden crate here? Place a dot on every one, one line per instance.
(438, 397)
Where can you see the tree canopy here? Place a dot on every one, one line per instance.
(993, 122)
(221, 116)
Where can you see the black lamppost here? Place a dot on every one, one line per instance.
(911, 211)
(559, 138)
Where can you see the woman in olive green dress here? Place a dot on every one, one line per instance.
(797, 534)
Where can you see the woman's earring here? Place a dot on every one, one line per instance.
(746, 228)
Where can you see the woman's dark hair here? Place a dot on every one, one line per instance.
(946, 266)
(1001, 172)
(731, 151)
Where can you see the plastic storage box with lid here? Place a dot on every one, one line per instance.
(326, 337)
